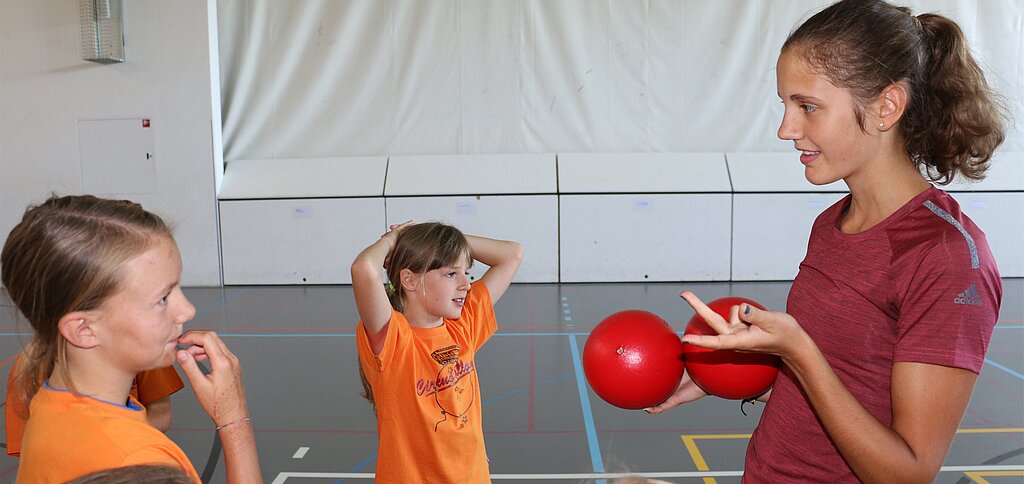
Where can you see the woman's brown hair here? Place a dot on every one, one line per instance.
(953, 121)
(66, 255)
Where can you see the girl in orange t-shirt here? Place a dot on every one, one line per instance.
(153, 390)
(99, 282)
(417, 339)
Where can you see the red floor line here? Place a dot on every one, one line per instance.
(9, 360)
(533, 309)
(487, 432)
(529, 414)
(287, 329)
(9, 470)
(985, 421)
(282, 431)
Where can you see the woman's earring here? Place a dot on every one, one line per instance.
(881, 124)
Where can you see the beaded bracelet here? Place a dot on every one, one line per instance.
(246, 419)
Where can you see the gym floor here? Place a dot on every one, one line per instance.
(541, 421)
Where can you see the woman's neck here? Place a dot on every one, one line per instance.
(879, 193)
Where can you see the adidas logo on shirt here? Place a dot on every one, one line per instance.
(969, 296)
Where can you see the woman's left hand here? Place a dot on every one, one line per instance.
(747, 329)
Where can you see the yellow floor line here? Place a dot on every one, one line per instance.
(979, 477)
(690, 441)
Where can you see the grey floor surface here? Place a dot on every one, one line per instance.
(541, 421)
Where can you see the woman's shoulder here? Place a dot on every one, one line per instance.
(937, 226)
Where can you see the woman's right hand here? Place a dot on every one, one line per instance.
(749, 329)
(220, 392)
(687, 392)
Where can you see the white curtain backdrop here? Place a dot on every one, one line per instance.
(331, 78)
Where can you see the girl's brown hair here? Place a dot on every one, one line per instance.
(66, 255)
(137, 474)
(953, 121)
(420, 248)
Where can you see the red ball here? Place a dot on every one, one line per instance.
(633, 359)
(726, 373)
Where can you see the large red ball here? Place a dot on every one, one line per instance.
(633, 359)
(726, 373)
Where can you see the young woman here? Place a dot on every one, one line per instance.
(891, 313)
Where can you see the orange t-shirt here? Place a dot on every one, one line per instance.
(427, 396)
(71, 435)
(149, 386)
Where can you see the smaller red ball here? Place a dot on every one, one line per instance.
(633, 359)
(726, 373)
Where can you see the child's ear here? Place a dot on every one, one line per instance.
(410, 281)
(77, 328)
(892, 105)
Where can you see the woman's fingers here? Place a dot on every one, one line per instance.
(714, 342)
(717, 323)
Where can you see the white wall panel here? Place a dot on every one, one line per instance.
(311, 241)
(773, 172)
(531, 220)
(1001, 217)
(524, 173)
(309, 177)
(1005, 172)
(642, 173)
(770, 233)
(644, 238)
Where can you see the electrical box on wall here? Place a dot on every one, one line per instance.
(117, 156)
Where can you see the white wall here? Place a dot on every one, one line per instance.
(342, 78)
(45, 88)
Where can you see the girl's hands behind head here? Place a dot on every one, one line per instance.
(220, 392)
(394, 229)
(391, 236)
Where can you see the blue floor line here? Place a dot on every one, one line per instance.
(588, 415)
(553, 380)
(1001, 367)
(222, 300)
(364, 463)
(499, 397)
(523, 389)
